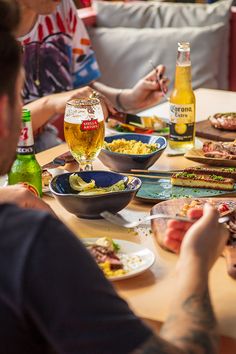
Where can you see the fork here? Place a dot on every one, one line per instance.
(121, 221)
(158, 79)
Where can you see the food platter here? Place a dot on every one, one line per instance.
(111, 131)
(135, 257)
(197, 155)
(140, 125)
(155, 189)
(172, 207)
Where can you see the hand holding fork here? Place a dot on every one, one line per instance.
(158, 79)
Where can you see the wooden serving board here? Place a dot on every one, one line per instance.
(174, 206)
(197, 155)
(205, 130)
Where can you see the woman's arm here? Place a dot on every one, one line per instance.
(43, 109)
(146, 93)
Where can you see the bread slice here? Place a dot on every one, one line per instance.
(228, 172)
(185, 179)
(46, 178)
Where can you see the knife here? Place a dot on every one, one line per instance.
(126, 117)
(60, 160)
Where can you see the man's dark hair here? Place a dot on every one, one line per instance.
(10, 52)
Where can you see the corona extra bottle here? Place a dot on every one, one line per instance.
(26, 169)
(182, 103)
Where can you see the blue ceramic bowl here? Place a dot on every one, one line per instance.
(91, 206)
(125, 162)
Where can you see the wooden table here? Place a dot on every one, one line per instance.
(150, 293)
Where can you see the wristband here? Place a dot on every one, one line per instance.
(119, 105)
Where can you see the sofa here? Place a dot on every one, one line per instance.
(126, 36)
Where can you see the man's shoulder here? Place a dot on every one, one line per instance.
(17, 222)
(19, 230)
(8, 209)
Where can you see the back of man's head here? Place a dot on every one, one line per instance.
(10, 57)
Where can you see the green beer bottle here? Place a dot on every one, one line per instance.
(26, 168)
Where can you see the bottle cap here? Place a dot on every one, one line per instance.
(183, 46)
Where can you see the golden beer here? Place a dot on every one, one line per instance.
(182, 103)
(84, 145)
(84, 130)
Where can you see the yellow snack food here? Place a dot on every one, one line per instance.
(131, 147)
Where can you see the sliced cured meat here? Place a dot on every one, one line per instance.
(102, 254)
(224, 121)
(219, 149)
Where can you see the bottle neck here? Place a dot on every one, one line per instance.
(183, 77)
(23, 154)
(25, 144)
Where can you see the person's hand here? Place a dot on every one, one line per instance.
(60, 99)
(177, 229)
(205, 240)
(147, 92)
(21, 196)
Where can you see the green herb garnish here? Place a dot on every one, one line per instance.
(229, 169)
(115, 245)
(186, 174)
(216, 178)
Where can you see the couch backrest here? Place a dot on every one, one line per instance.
(123, 53)
(232, 51)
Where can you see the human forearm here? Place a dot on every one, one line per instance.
(147, 92)
(21, 196)
(44, 108)
(111, 93)
(191, 325)
(41, 111)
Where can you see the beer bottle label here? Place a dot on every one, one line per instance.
(26, 140)
(25, 150)
(182, 122)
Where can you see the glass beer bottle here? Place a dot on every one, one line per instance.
(182, 103)
(26, 168)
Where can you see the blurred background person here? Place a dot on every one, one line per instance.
(59, 61)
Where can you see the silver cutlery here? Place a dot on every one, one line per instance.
(158, 78)
(60, 160)
(121, 221)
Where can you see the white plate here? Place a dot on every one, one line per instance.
(54, 172)
(3, 181)
(130, 250)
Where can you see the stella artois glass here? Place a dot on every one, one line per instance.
(84, 130)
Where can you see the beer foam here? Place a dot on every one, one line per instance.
(74, 116)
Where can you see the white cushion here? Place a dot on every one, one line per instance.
(123, 53)
(177, 16)
(159, 14)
